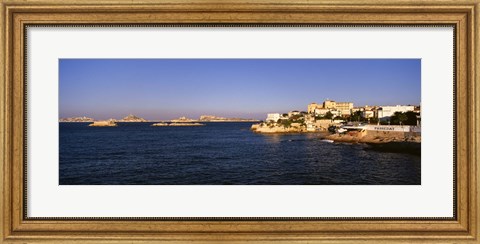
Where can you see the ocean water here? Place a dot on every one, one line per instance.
(221, 154)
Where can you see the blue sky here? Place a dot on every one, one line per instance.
(247, 88)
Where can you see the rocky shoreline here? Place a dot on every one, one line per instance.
(389, 142)
(385, 141)
(260, 128)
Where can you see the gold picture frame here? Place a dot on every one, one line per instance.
(16, 15)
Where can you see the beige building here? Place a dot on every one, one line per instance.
(313, 106)
(329, 104)
(343, 108)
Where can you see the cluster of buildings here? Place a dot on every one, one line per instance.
(376, 124)
(343, 110)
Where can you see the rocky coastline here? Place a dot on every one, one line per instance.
(278, 129)
(385, 142)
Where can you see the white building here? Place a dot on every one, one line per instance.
(345, 112)
(336, 113)
(321, 111)
(273, 117)
(385, 112)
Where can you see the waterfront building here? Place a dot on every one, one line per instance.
(385, 112)
(273, 117)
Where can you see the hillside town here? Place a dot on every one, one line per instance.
(342, 117)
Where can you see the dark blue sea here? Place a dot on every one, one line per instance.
(221, 154)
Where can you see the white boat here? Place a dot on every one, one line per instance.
(327, 140)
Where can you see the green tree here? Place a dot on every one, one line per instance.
(411, 118)
(328, 115)
(357, 116)
(402, 117)
(385, 122)
(394, 119)
(373, 121)
(398, 118)
(285, 123)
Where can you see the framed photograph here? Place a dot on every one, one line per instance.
(284, 121)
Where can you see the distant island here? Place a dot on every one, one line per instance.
(128, 118)
(76, 119)
(104, 123)
(211, 118)
(133, 118)
(177, 124)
